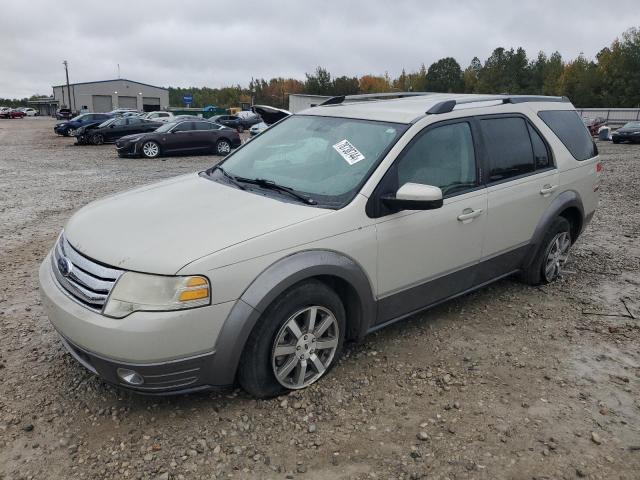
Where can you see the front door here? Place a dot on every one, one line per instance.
(426, 256)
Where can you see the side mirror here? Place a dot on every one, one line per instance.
(414, 196)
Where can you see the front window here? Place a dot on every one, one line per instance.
(325, 158)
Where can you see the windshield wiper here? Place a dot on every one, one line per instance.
(231, 178)
(270, 184)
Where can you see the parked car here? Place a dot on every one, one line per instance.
(240, 123)
(30, 112)
(115, 128)
(64, 114)
(11, 113)
(268, 116)
(159, 116)
(181, 136)
(331, 224)
(630, 132)
(594, 124)
(119, 112)
(68, 129)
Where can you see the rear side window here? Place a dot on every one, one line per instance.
(508, 147)
(203, 126)
(570, 129)
(540, 151)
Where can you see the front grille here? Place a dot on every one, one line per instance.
(85, 280)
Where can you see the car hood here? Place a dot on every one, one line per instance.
(162, 227)
(628, 130)
(270, 115)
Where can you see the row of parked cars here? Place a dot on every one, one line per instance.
(629, 132)
(152, 134)
(20, 112)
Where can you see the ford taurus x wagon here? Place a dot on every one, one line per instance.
(331, 224)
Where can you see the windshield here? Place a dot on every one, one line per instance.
(79, 117)
(326, 158)
(632, 125)
(108, 122)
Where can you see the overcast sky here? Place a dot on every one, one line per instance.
(215, 43)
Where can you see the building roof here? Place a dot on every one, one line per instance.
(112, 80)
(408, 109)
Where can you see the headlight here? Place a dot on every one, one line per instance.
(135, 292)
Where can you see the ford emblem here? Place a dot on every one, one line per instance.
(65, 266)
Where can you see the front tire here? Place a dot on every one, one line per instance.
(297, 340)
(71, 132)
(150, 149)
(97, 139)
(552, 256)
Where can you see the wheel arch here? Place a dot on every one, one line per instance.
(340, 272)
(568, 205)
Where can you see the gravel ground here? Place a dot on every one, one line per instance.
(509, 382)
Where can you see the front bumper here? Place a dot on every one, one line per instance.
(173, 351)
(626, 137)
(127, 149)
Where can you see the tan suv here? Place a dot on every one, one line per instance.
(331, 224)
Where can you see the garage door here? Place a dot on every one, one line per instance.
(150, 104)
(127, 102)
(102, 103)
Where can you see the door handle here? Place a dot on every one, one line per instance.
(469, 214)
(547, 189)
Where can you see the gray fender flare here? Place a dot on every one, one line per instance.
(567, 199)
(273, 281)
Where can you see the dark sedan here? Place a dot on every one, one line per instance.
(182, 136)
(629, 133)
(113, 129)
(236, 121)
(68, 129)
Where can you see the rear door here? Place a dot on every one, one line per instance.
(522, 181)
(205, 137)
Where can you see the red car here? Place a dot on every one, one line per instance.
(593, 124)
(11, 113)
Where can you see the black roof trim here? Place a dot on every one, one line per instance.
(112, 80)
(447, 106)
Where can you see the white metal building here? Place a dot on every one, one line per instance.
(302, 101)
(107, 95)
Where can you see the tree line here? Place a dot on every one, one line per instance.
(612, 79)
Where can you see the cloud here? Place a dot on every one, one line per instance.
(209, 43)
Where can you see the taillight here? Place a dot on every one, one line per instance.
(598, 167)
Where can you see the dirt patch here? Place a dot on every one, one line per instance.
(509, 382)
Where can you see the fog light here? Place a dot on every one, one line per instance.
(129, 376)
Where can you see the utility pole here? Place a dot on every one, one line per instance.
(118, 71)
(66, 71)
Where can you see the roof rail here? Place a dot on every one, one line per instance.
(447, 106)
(337, 100)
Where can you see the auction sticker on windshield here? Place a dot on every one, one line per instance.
(347, 151)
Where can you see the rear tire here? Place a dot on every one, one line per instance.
(150, 149)
(223, 147)
(552, 255)
(301, 352)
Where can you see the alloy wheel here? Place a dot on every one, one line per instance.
(223, 147)
(557, 256)
(71, 132)
(98, 139)
(150, 149)
(304, 347)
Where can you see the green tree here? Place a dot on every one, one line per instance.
(319, 82)
(445, 75)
